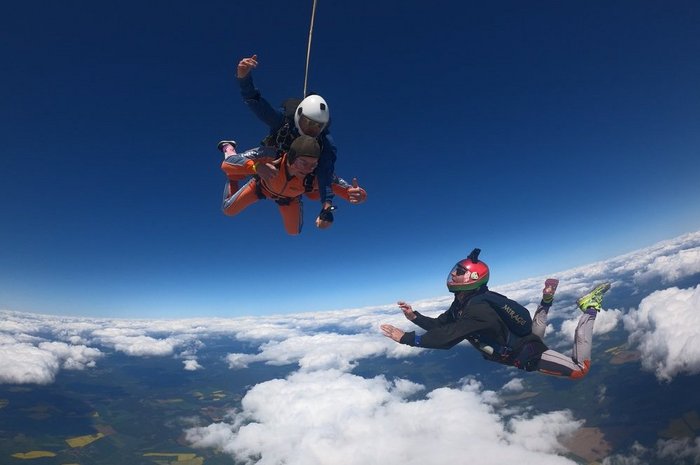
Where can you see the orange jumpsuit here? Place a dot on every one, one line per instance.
(284, 189)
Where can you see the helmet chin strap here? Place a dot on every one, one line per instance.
(461, 295)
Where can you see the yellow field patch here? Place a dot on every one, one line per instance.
(82, 441)
(164, 458)
(35, 454)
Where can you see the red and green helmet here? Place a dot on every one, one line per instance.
(468, 274)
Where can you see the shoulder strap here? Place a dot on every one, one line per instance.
(289, 107)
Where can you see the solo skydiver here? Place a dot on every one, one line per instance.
(500, 328)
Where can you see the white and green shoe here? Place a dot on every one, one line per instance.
(593, 299)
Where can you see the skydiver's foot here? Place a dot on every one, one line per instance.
(550, 287)
(594, 299)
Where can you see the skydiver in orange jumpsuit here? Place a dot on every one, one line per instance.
(282, 179)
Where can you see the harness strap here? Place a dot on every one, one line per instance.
(281, 138)
(520, 352)
(263, 193)
(309, 181)
(258, 188)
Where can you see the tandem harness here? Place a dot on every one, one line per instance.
(282, 137)
(280, 200)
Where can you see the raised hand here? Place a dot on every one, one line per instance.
(246, 65)
(407, 310)
(356, 194)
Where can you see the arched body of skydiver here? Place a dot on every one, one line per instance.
(500, 328)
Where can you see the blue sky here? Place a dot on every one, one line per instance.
(548, 136)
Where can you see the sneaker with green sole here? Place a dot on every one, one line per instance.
(593, 299)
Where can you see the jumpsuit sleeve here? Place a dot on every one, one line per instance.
(244, 163)
(428, 323)
(340, 187)
(258, 105)
(447, 335)
(325, 171)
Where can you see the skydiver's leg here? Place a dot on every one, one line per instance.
(232, 185)
(583, 337)
(556, 364)
(240, 200)
(576, 366)
(292, 216)
(229, 189)
(539, 321)
(233, 178)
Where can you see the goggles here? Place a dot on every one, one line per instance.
(459, 270)
(305, 164)
(311, 124)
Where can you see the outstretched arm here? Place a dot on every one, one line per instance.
(252, 97)
(325, 171)
(442, 332)
(443, 337)
(353, 193)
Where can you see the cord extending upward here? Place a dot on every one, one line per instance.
(308, 47)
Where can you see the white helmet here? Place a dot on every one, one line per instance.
(315, 109)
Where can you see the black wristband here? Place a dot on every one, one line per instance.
(327, 214)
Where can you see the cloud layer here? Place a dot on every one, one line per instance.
(333, 417)
(324, 413)
(666, 329)
(42, 345)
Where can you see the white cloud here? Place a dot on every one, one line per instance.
(23, 363)
(541, 433)
(685, 451)
(312, 340)
(330, 417)
(514, 385)
(323, 413)
(665, 329)
(669, 261)
(321, 351)
(191, 365)
(606, 321)
(670, 268)
(73, 357)
(140, 345)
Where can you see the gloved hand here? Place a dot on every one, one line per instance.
(325, 218)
